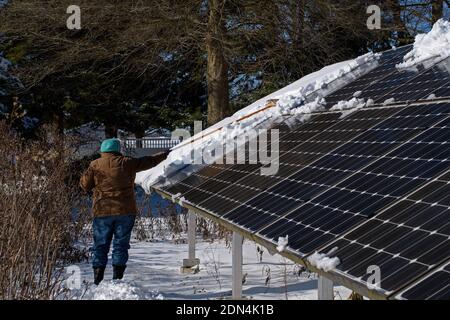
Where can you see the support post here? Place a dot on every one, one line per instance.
(190, 264)
(192, 226)
(237, 266)
(325, 289)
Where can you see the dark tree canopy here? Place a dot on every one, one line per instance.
(136, 64)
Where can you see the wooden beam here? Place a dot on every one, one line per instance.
(325, 289)
(190, 264)
(192, 226)
(237, 266)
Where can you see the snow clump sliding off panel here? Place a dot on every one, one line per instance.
(433, 46)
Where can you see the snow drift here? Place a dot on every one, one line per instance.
(120, 290)
(430, 47)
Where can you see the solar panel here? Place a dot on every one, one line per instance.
(298, 148)
(380, 91)
(386, 67)
(370, 179)
(193, 180)
(423, 85)
(370, 183)
(406, 240)
(234, 175)
(400, 86)
(252, 201)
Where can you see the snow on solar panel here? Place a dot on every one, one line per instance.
(387, 67)
(407, 85)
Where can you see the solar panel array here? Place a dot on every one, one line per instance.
(373, 184)
(370, 171)
(406, 240)
(386, 67)
(387, 83)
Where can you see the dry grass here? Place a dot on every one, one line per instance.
(170, 222)
(165, 223)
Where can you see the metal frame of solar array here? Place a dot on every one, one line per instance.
(335, 173)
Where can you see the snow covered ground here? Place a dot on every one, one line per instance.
(154, 273)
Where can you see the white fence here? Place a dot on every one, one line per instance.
(150, 143)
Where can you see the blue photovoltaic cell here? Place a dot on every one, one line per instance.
(386, 68)
(434, 286)
(370, 184)
(406, 240)
(378, 171)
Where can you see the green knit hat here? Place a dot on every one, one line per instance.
(110, 145)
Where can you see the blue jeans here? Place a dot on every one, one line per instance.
(116, 229)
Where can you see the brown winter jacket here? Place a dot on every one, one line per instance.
(112, 179)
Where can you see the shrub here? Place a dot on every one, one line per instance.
(38, 229)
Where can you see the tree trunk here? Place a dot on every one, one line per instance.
(298, 20)
(437, 10)
(217, 66)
